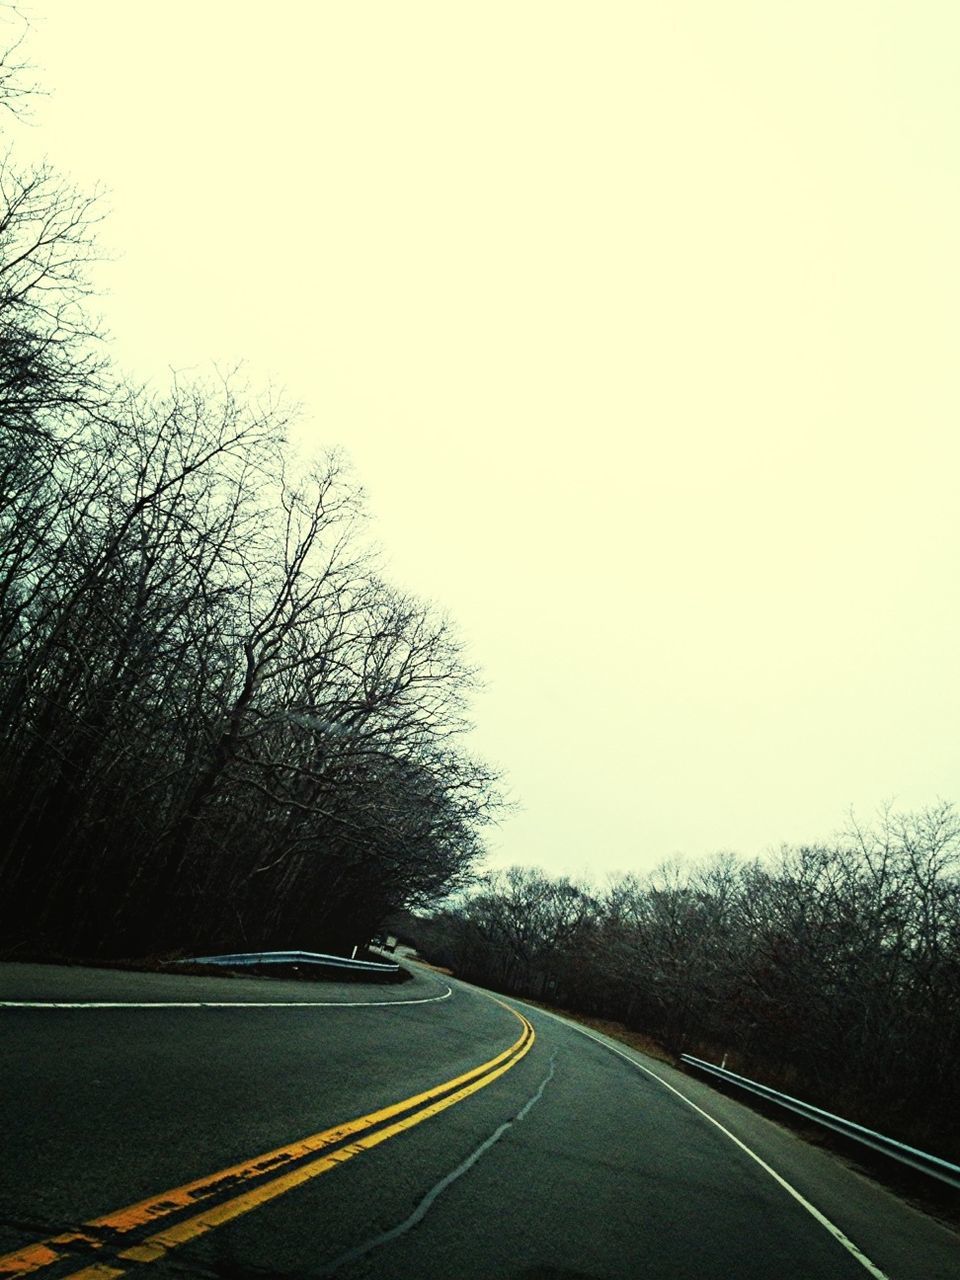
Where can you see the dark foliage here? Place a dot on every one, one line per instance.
(218, 726)
(832, 972)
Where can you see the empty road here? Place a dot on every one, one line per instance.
(166, 1125)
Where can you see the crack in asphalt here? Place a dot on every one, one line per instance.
(423, 1208)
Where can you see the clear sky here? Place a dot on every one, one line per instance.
(640, 323)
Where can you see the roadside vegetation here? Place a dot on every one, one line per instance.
(220, 727)
(828, 971)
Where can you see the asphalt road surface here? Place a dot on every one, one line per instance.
(167, 1125)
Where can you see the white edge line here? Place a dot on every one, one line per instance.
(218, 1004)
(824, 1221)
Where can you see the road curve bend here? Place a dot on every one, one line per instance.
(176, 1125)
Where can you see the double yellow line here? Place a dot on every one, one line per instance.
(127, 1235)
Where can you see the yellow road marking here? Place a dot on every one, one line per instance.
(98, 1272)
(37, 1256)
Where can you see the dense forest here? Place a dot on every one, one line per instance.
(221, 727)
(830, 971)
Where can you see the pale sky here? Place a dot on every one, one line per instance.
(639, 323)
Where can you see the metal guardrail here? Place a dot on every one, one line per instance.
(921, 1160)
(255, 959)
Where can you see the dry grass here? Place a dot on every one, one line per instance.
(434, 968)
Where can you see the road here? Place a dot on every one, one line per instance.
(177, 1126)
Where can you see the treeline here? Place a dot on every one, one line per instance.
(219, 726)
(829, 971)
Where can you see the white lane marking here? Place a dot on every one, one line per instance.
(814, 1212)
(218, 1004)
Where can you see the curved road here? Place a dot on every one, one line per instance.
(169, 1125)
